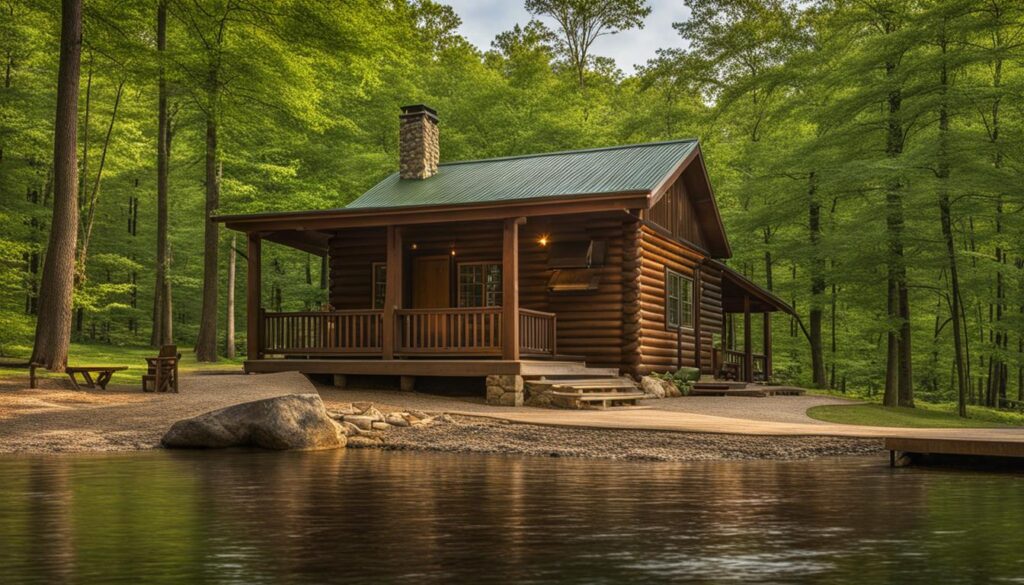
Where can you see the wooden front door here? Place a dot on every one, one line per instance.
(431, 282)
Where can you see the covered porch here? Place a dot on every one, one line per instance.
(742, 299)
(401, 292)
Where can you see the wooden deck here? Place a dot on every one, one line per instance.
(469, 368)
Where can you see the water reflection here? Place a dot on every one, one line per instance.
(369, 516)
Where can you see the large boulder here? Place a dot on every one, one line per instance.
(296, 421)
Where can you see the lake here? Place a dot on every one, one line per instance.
(367, 516)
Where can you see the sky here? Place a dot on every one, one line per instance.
(483, 19)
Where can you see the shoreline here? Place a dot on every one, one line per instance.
(487, 435)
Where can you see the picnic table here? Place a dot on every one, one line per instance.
(102, 379)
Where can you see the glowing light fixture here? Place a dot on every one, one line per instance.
(414, 246)
(543, 240)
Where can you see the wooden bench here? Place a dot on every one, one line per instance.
(105, 373)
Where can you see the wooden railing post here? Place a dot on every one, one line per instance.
(767, 346)
(392, 291)
(510, 289)
(748, 350)
(253, 308)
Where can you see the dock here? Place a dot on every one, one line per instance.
(904, 449)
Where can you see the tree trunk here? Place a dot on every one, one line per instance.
(229, 342)
(817, 284)
(206, 344)
(945, 218)
(898, 378)
(93, 199)
(53, 327)
(161, 289)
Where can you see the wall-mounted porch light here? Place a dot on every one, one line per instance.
(543, 240)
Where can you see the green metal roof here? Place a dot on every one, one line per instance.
(634, 168)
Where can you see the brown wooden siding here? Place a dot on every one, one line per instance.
(352, 254)
(590, 323)
(675, 212)
(659, 346)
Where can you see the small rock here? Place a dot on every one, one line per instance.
(364, 442)
(652, 386)
(361, 406)
(361, 421)
(351, 430)
(396, 419)
(373, 413)
(380, 426)
(345, 409)
(419, 414)
(446, 418)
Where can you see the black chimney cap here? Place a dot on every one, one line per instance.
(416, 109)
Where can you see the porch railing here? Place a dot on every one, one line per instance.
(537, 332)
(418, 332)
(734, 357)
(328, 332)
(449, 331)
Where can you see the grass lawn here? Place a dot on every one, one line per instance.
(926, 415)
(98, 354)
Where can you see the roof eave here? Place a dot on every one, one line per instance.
(414, 214)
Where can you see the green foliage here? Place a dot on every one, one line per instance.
(790, 100)
(929, 416)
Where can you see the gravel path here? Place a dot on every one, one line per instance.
(785, 409)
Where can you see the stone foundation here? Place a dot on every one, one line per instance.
(505, 390)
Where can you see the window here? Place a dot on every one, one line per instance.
(380, 282)
(678, 300)
(480, 284)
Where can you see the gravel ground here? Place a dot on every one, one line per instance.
(55, 419)
(475, 435)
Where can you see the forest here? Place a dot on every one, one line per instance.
(866, 156)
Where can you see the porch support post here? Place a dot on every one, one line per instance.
(767, 346)
(253, 307)
(748, 350)
(510, 290)
(698, 330)
(392, 291)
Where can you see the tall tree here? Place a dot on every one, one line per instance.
(581, 22)
(53, 326)
(161, 330)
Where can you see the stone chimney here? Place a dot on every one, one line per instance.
(418, 144)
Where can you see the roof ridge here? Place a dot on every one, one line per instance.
(562, 152)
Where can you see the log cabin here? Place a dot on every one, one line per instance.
(554, 264)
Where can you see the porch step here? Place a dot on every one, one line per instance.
(720, 384)
(583, 384)
(591, 399)
(563, 369)
(742, 389)
(584, 391)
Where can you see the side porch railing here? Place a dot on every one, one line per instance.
(735, 359)
(418, 332)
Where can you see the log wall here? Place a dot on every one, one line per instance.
(590, 324)
(659, 347)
